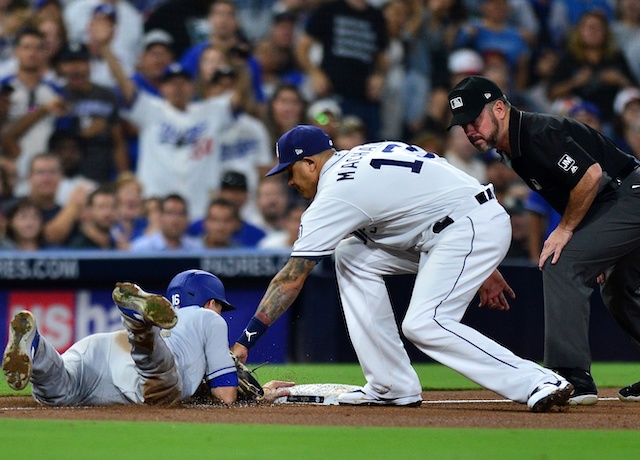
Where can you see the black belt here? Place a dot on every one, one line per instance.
(481, 198)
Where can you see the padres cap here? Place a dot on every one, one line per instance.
(468, 98)
(299, 142)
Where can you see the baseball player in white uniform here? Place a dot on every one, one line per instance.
(161, 357)
(408, 211)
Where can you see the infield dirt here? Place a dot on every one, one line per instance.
(479, 409)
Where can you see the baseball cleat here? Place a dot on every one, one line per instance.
(549, 394)
(17, 361)
(630, 393)
(142, 307)
(585, 392)
(360, 398)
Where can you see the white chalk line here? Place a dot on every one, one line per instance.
(476, 401)
(442, 401)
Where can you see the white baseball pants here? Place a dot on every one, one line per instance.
(459, 260)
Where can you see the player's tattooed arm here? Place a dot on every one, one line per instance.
(283, 289)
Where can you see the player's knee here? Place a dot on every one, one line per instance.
(418, 331)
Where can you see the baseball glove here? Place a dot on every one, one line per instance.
(248, 386)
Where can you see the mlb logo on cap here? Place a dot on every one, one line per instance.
(299, 142)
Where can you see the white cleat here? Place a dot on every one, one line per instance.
(550, 394)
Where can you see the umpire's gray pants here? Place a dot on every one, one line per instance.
(607, 241)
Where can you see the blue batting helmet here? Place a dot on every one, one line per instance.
(197, 287)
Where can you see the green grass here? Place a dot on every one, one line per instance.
(432, 376)
(26, 439)
(64, 439)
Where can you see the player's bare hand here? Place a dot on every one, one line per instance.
(492, 292)
(554, 245)
(240, 352)
(276, 389)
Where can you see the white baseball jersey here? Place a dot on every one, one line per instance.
(34, 141)
(391, 195)
(244, 147)
(178, 148)
(388, 192)
(99, 369)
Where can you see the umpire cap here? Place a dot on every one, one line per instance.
(197, 287)
(468, 98)
(299, 142)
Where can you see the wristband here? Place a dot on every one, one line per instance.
(252, 333)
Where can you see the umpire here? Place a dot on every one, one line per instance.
(596, 188)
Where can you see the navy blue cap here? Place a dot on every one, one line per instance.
(74, 52)
(175, 70)
(107, 10)
(299, 142)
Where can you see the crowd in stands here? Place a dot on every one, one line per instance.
(148, 125)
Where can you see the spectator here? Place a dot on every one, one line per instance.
(178, 137)
(24, 226)
(544, 66)
(245, 144)
(285, 110)
(354, 39)
(221, 223)
(34, 104)
(93, 114)
(60, 222)
(519, 248)
(100, 215)
(396, 15)
(592, 66)
(276, 54)
(48, 9)
(184, 20)
(501, 176)
(273, 201)
(157, 54)
(325, 114)
(430, 141)
(227, 36)
(427, 52)
(80, 15)
(587, 113)
(626, 27)
(352, 132)
(463, 155)
(14, 15)
(55, 37)
(459, 64)
(284, 239)
(564, 15)
(212, 59)
(234, 189)
(130, 222)
(69, 147)
(152, 212)
(5, 103)
(172, 233)
(627, 126)
(492, 32)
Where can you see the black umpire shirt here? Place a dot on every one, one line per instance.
(552, 154)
